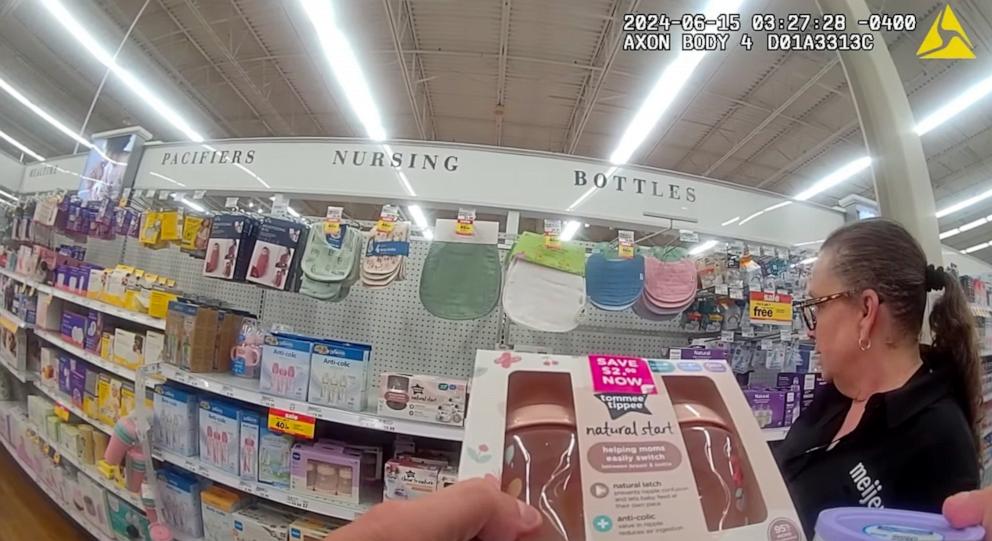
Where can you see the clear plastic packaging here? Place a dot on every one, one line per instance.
(541, 459)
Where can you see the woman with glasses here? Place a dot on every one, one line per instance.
(897, 425)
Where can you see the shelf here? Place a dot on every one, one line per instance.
(246, 390)
(23, 376)
(10, 320)
(66, 508)
(66, 403)
(775, 434)
(56, 340)
(315, 505)
(100, 306)
(980, 310)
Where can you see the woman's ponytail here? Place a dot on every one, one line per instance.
(952, 327)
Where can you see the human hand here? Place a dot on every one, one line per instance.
(473, 509)
(970, 509)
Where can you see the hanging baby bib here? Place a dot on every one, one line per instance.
(461, 275)
(669, 284)
(385, 256)
(544, 288)
(329, 272)
(614, 284)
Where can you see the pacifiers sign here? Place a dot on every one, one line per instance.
(622, 384)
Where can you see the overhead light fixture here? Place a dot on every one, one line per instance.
(292, 212)
(54, 122)
(975, 248)
(193, 205)
(954, 107)
(17, 144)
(964, 204)
(702, 247)
(592, 189)
(809, 242)
(966, 227)
(852, 168)
(420, 220)
(77, 31)
(731, 221)
(808, 260)
(762, 211)
(666, 88)
(5, 193)
(569, 230)
(347, 70)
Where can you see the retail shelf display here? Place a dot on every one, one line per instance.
(56, 340)
(8, 319)
(298, 501)
(246, 390)
(100, 306)
(67, 509)
(64, 401)
(23, 376)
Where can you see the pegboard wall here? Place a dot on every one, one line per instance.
(404, 336)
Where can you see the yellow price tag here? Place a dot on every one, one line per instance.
(332, 228)
(626, 251)
(465, 228)
(8, 324)
(770, 308)
(62, 413)
(292, 423)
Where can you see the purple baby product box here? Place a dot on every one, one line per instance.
(698, 354)
(772, 408)
(73, 328)
(805, 384)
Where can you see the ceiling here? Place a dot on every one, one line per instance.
(534, 74)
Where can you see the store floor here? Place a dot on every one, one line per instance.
(26, 512)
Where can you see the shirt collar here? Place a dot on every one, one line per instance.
(927, 386)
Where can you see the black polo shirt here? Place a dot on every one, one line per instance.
(912, 449)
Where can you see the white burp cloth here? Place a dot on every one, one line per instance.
(542, 298)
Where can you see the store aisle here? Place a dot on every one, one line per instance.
(27, 513)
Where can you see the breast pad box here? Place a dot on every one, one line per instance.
(285, 366)
(625, 449)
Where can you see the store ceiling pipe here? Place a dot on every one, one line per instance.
(899, 167)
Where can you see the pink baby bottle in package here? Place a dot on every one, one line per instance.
(541, 459)
(717, 465)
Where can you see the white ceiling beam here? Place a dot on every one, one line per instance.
(609, 43)
(504, 38)
(428, 101)
(411, 93)
(774, 114)
(274, 62)
(259, 104)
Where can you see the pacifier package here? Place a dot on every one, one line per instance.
(610, 447)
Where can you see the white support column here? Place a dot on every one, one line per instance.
(902, 181)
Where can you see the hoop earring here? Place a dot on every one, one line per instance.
(863, 346)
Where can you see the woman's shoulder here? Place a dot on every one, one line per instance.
(943, 423)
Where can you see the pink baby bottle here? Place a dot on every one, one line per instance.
(541, 459)
(715, 455)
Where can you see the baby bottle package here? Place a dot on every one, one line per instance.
(609, 447)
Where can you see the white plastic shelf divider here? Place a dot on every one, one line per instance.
(246, 390)
(22, 375)
(299, 501)
(93, 531)
(101, 306)
(18, 322)
(775, 434)
(66, 403)
(56, 340)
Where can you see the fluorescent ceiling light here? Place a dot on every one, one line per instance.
(975, 248)
(808, 260)
(702, 247)
(292, 212)
(730, 221)
(592, 189)
(964, 204)
(666, 88)
(952, 108)
(569, 230)
(163, 177)
(835, 178)
(76, 30)
(193, 205)
(17, 144)
(418, 216)
(809, 242)
(17, 95)
(966, 227)
(5, 193)
(948, 234)
(347, 70)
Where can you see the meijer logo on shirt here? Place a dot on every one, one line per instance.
(869, 488)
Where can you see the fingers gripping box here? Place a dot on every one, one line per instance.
(622, 448)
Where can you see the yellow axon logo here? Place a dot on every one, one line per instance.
(946, 39)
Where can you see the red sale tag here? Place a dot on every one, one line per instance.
(293, 424)
(621, 375)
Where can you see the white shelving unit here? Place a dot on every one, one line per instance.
(66, 403)
(22, 375)
(101, 306)
(247, 390)
(56, 340)
(299, 501)
(14, 320)
(93, 531)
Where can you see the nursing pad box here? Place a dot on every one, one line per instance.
(618, 448)
(229, 249)
(338, 374)
(462, 274)
(273, 259)
(614, 284)
(385, 256)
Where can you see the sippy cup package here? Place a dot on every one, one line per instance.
(627, 448)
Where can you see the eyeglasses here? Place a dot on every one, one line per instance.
(808, 307)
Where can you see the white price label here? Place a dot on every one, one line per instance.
(261, 492)
(721, 289)
(747, 332)
(163, 195)
(280, 205)
(314, 411)
(726, 336)
(203, 470)
(377, 424)
(675, 354)
(227, 391)
(767, 344)
(231, 203)
(267, 401)
(198, 194)
(737, 293)
(786, 335)
(149, 193)
(298, 502)
(687, 235)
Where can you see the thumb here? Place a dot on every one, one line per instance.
(969, 509)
